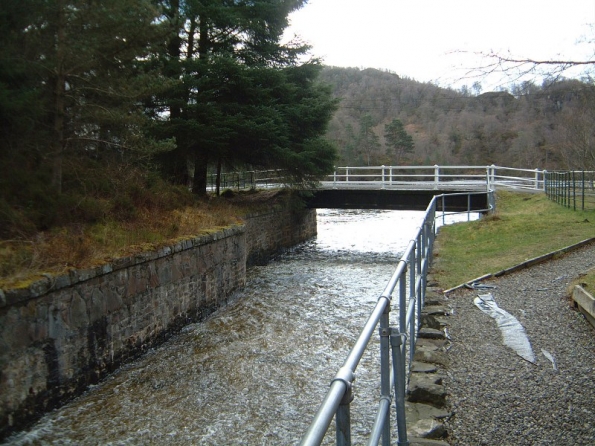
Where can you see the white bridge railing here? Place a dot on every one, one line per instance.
(436, 177)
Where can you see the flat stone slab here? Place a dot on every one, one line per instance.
(431, 333)
(419, 411)
(423, 367)
(426, 442)
(427, 428)
(425, 421)
(430, 354)
(435, 310)
(427, 388)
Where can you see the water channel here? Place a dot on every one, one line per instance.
(256, 371)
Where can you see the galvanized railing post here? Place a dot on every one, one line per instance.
(412, 301)
(343, 419)
(396, 340)
(443, 210)
(420, 253)
(385, 384)
(403, 300)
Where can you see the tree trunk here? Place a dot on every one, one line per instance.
(174, 164)
(218, 176)
(199, 181)
(59, 92)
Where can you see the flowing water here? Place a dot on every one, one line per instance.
(256, 371)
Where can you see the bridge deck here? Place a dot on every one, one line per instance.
(451, 186)
(398, 198)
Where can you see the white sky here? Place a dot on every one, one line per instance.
(436, 40)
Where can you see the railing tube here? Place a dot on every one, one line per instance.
(323, 418)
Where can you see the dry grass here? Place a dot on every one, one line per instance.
(83, 246)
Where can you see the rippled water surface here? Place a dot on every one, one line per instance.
(257, 370)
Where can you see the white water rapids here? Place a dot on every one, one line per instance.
(256, 371)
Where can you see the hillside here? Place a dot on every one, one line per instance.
(545, 126)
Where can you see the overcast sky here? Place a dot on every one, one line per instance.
(436, 40)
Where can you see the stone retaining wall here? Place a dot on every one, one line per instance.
(63, 333)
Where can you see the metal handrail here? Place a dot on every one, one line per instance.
(465, 176)
(471, 176)
(393, 349)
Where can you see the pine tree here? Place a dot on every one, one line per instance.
(237, 91)
(83, 77)
(398, 140)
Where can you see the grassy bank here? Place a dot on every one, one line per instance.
(90, 244)
(523, 227)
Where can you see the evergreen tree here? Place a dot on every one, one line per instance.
(239, 91)
(398, 140)
(72, 73)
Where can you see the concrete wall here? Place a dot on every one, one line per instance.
(63, 333)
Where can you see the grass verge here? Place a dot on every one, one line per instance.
(524, 226)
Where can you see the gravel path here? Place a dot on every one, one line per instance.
(497, 397)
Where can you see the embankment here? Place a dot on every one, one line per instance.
(66, 332)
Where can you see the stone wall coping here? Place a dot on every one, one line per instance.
(50, 282)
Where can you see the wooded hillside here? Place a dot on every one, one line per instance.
(547, 126)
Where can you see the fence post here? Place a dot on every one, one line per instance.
(583, 190)
(488, 178)
(396, 340)
(383, 186)
(343, 419)
(385, 384)
(537, 179)
(573, 191)
(436, 175)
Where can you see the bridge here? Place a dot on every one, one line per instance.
(429, 188)
(464, 188)
(400, 188)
